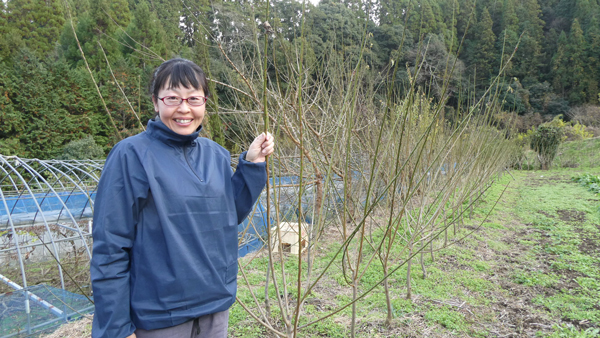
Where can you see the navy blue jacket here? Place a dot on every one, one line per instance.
(165, 230)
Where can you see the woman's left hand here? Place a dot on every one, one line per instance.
(262, 146)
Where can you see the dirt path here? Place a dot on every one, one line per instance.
(548, 274)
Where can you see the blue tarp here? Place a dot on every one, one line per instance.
(23, 209)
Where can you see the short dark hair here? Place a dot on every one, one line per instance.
(178, 72)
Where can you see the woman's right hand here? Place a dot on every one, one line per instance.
(132, 336)
(262, 146)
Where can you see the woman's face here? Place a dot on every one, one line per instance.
(182, 119)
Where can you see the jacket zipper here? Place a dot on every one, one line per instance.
(188, 163)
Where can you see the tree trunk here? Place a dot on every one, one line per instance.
(354, 294)
(408, 265)
(388, 299)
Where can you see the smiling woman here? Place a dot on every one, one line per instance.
(165, 225)
(182, 115)
(179, 91)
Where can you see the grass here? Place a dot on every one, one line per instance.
(584, 153)
(46, 272)
(571, 154)
(531, 268)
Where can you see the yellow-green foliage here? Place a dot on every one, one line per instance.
(571, 131)
(557, 121)
(579, 132)
(523, 139)
(521, 142)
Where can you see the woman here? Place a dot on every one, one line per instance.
(165, 220)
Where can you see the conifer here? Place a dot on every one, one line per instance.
(145, 35)
(482, 48)
(593, 57)
(36, 22)
(509, 16)
(576, 63)
(560, 72)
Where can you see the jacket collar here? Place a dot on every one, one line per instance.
(157, 129)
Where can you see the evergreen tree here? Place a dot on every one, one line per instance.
(549, 48)
(37, 22)
(338, 25)
(45, 105)
(576, 63)
(593, 57)
(143, 33)
(505, 45)
(560, 71)
(10, 38)
(110, 16)
(568, 61)
(449, 12)
(508, 37)
(78, 7)
(84, 30)
(169, 13)
(201, 49)
(103, 26)
(481, 49)
(562, 12)
(583, 11)
(569, 66)
(429, 23)
(466, 15)
(529, 54)
(388, 12)
(509, 17)
(387, 39)
(412, 17)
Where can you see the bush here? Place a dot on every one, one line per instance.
(577, 132)
(83, 149)
(519, 155)
(595, 131)
(526, 122)
(545, 141)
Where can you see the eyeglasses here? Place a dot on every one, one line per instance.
(194, 101)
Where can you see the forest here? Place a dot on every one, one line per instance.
(51, 95)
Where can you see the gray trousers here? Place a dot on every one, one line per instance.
(209, 326)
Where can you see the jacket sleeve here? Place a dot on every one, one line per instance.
(248, 182)
(122, 188)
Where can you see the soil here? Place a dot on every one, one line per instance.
(520, 316)
(513, 310)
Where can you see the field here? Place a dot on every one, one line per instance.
(530, 268)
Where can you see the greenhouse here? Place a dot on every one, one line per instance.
(45, 241)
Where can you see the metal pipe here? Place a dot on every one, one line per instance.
(56, 241)
(33, 297)
(21, 266)
(56, 254)
(36, 175)
(25, 226)
(67, 227)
